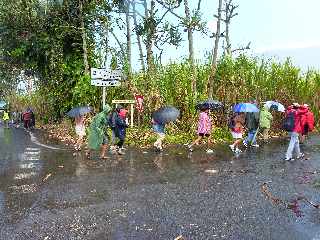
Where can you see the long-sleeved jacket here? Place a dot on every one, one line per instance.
(265, 118)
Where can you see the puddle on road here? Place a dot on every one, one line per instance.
(75, 182)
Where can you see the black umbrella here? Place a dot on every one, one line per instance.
(165, 114)
(209, 104)
(79, 111)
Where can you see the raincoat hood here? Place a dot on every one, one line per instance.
(106, 109)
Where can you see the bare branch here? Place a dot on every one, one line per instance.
(242, 48)
(162, 17)
(199, 5)
(170, 9)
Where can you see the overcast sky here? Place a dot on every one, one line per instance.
(274, 28)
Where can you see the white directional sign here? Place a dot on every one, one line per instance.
(101, 73)
(105, 83)
(105, 78)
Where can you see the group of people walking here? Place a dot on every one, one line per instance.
(27, 118)
(98, 137)
(298, 120)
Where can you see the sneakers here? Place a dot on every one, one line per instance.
(190, 147)
(120, 152)
(238, 150)
(209, 151)
(231, 147)
(301, 155)
(255, 145)
(245, 144)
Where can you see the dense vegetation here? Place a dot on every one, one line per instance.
(56, 43)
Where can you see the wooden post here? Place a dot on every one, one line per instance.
(132, 109)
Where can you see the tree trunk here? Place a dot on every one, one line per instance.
(135, 22)
(228, 43)
(215, 53)
(128, 37)
(84, 40)
(150, 34)
(191, 49)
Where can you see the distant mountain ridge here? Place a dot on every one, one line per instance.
(306, 58)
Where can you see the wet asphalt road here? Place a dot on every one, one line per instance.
(51, 194)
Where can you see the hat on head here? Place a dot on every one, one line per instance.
(296, 104)
(123, 113)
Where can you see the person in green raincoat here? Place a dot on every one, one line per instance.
(265, 122)
(98, 137)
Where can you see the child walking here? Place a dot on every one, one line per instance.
(120, 127)
(158, 128)
(80, 130)
(204, 129)
(237, 131)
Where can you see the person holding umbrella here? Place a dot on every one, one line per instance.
(160, 118)
(252, 124)
(78, 114)
(204, 129)
(238, 122)
(80, 130)
(236, 126)
(205, 122)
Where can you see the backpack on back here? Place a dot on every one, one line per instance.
(288, 123)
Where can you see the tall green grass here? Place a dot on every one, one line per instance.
(237, 79)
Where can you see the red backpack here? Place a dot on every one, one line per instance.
(310, 120)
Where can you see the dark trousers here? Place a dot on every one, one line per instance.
(120, 143)
(27, 124)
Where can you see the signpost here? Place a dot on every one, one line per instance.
(102, 77)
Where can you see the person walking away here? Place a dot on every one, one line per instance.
(98, 137)
(265, 122)
(120, 129)
(32, 120)
(26, 116)
(6, 119)
(204, 129)
(158, 128)
(252, 124)
(80, 130)
(236, 126)
(292, 124)
(307, 121)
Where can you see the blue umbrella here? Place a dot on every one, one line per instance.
(275, 105)
(245, 107)
(209, 104)
(166, 114)
(79, 111)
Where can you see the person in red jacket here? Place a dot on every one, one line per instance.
(26, 116)
(297, 112)
(307, 122)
